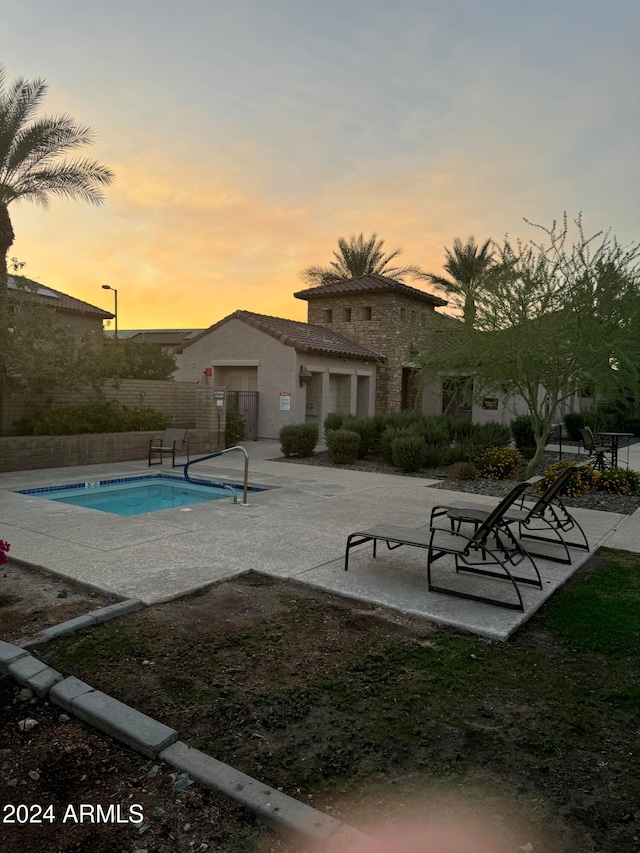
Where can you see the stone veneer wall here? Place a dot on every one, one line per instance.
(25, 452)
(385, 332)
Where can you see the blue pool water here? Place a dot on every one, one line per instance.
(136, 495)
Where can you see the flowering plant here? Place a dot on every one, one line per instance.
(584, 479)
(498, 463)
(4, 547)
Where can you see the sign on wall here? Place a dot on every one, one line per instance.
(489, 402)
(285, 401)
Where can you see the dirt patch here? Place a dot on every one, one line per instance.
(351, 711)
(31, 600)
(60, 764)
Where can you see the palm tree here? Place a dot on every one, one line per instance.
(468, 266)
(33, 165)
(356, 257)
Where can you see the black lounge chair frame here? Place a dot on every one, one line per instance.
(548, 514)
(491, 551)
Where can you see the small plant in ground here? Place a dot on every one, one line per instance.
(298, 439)
(366, 429)
(617, 481)
(459, 451)
(4, 550)
(462, 471)
(333, 421)
(573, 421)
(522, 432)
(498, 463)
(388, 437)
(582, 481)
(343, 446)
(433, 454)
(408, 452)
(491, 434)
(235, 429)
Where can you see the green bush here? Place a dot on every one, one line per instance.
(522, 431)
(498, 463)
(387, 438)
(235, 429)
(366, 429)
(462, 471)
(333, 421)
(599, 421)
(461, 429)
(631, 424)
(459, 451)
(582, 481)
(408, 452)
(491, 434)
(436, 430)
(343, 446)
(573, 421)
(298, 439)
(433, 454)
(93, 417)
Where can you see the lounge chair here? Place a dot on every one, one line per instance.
(491, 550)
(547, 514)
(602, 454)
(171, 441)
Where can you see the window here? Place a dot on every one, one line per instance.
(328, 315)
(366, 313)
(346, 315)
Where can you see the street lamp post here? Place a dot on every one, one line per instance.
(115, 292)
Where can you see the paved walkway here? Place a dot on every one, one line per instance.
(295, 531)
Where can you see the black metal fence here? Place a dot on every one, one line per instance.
(246, 404)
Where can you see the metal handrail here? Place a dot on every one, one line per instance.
(223, 485)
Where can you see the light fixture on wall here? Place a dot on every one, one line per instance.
(305, 375)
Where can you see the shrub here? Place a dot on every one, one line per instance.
(366, 429)
(408, 452)
(460, 429)
(491, 434)
(235, 429)
(298, 439)
(598, 421)
(522, 431)
(462, 471)
(459, 451)
(498, 463)
(435, 429)
(387, 438)
(433, 455)
(617, 481)
(343, 446)
(582, 481)
(631, 424)
(333, 421)
(573, 421)
(94, 416)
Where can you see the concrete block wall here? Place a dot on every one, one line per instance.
(22, 453)
(183, 402)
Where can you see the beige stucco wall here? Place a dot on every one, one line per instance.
(236, 349)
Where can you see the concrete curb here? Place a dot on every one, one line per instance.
(155, 740)
(95, 617)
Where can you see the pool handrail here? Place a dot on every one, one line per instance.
(222, 485)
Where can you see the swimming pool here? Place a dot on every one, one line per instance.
(136, 495)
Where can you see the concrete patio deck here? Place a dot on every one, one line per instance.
(296, 531)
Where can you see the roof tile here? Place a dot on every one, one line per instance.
(368, 284)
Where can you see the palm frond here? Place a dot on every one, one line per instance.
(356, 257)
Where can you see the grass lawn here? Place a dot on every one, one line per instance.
(350, 711)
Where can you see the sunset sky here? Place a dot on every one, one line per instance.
(247, 136)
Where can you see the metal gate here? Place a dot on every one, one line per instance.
(246, 404)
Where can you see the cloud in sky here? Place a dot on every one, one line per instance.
(247, 137)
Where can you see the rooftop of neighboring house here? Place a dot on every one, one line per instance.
(368, 284)
(163, 337)
(55, 298)
(304, 337)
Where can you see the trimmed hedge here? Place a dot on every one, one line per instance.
(343, 446)
(408, 452)
(93, 417)
(298, 439)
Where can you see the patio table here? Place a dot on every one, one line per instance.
(615, 441)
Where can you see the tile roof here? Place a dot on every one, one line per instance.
(56, 299)
(368, 284)
(302, 336)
